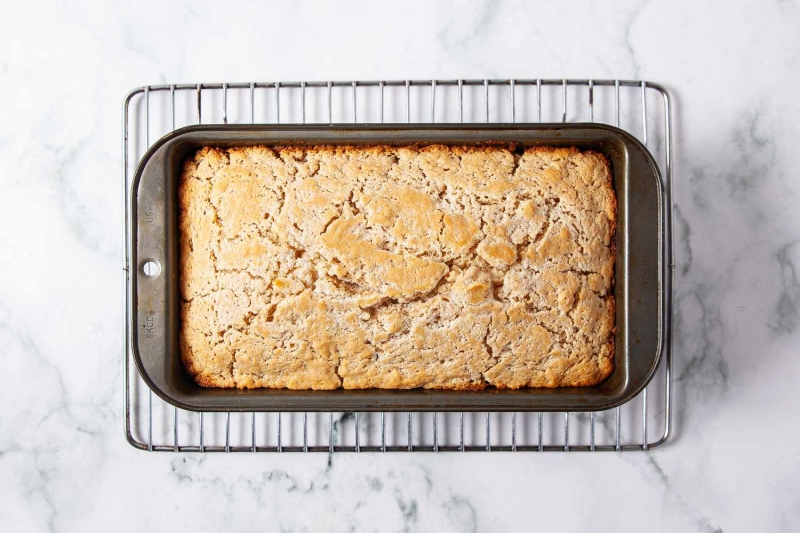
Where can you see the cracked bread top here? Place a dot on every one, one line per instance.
(383, 267)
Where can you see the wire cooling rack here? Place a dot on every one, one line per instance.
(642, 108)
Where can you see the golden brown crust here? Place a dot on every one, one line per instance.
(381, 267)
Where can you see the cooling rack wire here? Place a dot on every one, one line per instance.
(641, 108)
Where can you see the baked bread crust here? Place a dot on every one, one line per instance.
(382, 267)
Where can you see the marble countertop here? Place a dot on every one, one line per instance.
(734, 70)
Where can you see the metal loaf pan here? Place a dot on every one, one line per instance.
(639, 288)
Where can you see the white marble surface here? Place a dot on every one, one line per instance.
(734, 463)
